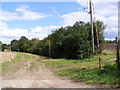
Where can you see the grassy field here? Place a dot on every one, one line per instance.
(87, 70)
(78, 70)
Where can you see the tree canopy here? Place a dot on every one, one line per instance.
(71, 42)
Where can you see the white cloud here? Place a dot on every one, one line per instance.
(107, 9)
(110, 39)
(45, 29)
(36, 30)
(104, 11)
(96, 2)
(3, 25)
(111, 31)
(107, 12)
(109, 15)
(55, 12)
(22, 8)
(71, 18)
(6, 34)
(22, 13)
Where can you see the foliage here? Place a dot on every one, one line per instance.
(14, 45)
(5, 47)
(74, 42)
(108, 41)
(22, 44)
(71, 42)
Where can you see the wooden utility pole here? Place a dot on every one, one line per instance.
(92, 32)
(49, 48)
(10, 52)
(117, 53)
(49, 45)
(97, 39)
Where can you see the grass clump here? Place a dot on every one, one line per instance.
(87, 69)
(108, 75)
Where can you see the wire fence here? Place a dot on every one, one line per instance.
(110, 47)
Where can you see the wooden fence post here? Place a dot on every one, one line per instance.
(117, 53)
(118, 60)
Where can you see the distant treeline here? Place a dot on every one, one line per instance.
(110, 41)
(71, 42)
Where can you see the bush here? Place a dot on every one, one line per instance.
(71, 42)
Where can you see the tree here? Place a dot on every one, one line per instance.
(71, 42)
(23, 44)
(108, 41)
(5, 47)
(56, 40)
(101, 27)
(32, 45)
(75, 42)
(14, 45)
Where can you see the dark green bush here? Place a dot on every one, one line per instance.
(71, 42)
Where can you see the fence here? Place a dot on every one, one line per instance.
(111, 47)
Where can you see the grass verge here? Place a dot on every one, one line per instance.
(86, 70)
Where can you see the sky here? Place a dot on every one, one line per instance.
(38, 19)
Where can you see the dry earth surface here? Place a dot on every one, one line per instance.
(6, 56)
(41, 77)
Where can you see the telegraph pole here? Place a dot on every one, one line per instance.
(92, 32)
(49, 45)
(97, 38)
(117, 53)
(10, 52)
(49, 48)
(10, 49)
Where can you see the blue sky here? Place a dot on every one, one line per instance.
(42, 7)
(37, 19)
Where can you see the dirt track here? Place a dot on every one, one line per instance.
(43, 78)
(6, 56)
(40, 78)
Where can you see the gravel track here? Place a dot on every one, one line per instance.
(40, 78)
